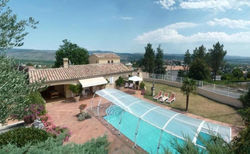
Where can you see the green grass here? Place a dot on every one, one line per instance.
(198, 105)
(36, 62)
(232, 83)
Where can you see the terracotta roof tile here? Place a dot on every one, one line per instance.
(76, 72)
(174, 68)
(106, 55)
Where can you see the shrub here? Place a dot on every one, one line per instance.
(119, 82)
(22, 136)
(55, 145)
(99, 145)
(214, 145)
(29, 119)
(36, 98)
(241, 143)
(227, 76)
(248, 74)
(34, 111)
(237, 73)
(142, 85)
(83, 115)
(53, 129)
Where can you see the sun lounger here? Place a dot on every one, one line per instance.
(164, 98)
(126, 85)
(158, 96)
(171, 99)
(131, 85)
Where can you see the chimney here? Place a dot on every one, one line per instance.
(65, 63)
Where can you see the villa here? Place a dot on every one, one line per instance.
(118, 111)
(104, 58)
(92, 77)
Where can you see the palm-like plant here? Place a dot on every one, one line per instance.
(188, 87)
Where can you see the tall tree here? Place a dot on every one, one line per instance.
(245, 99)
(199, 53)
(187, 59)
(241, 143)
(149, 59)
(216, 57)
(73, 52)
(12, 30)
(159, 62)
(199, 70)
(237, 73)
(15, 90)
(14, 87)
(188, 87)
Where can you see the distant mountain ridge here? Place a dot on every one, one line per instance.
(49, 55)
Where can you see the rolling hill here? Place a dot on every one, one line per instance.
(49, 56)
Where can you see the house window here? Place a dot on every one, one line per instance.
(108, 61)
(112, 61)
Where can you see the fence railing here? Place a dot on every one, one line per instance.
(220, 89)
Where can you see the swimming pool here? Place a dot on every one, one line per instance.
(148, 135)
(156, 127)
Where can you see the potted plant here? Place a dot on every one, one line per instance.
(82, 107)
(142, 87)
(119, 82)
(77, 90)
(83, 115)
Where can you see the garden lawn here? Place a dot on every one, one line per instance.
(198, 105)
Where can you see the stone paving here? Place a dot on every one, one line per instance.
(63, 114)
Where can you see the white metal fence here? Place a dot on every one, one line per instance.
(220, 89)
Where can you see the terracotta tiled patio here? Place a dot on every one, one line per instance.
(63, 114)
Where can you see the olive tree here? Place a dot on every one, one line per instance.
(12, 30)
(14, 86)
(14, 90)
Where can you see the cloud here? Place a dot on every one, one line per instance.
(221, 5)
(126, 18)
(226, 22)
(181, 25)
(166, 4)
(169, 34)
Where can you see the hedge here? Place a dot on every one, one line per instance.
(22, 136)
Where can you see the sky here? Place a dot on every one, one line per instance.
(128, 25)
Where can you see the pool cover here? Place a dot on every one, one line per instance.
(173, 123)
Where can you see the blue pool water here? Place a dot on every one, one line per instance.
(148, 135)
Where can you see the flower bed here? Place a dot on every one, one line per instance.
(53, 129)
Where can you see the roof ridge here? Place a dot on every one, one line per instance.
(77, 71)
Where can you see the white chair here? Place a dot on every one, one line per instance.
(164, 98)
(171, 99)
(126, 85)
(158, 96)
(131, 85)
